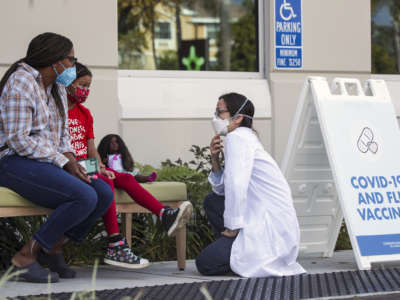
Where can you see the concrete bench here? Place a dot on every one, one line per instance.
(168, 193)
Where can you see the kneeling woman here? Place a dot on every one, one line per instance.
(251, 208)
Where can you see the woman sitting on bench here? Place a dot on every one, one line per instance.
(36, 158)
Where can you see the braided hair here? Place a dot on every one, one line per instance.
(43, 51)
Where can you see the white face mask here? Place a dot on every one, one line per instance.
(221, 125)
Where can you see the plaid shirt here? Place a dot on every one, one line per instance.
(30, 124)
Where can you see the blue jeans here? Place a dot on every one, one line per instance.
(215, 258)
(76, 205)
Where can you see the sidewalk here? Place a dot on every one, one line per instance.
(159, 273)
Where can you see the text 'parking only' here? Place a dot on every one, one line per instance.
(288, 34)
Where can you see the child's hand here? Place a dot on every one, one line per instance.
(152, 177)
(108, 174)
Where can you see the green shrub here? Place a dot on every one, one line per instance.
(14, 232)
(343, 241)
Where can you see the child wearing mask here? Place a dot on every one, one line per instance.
(82, 139)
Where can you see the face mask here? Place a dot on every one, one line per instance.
(221, 125)
(80, 95)
(67, 77)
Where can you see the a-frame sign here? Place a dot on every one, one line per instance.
(343, 159)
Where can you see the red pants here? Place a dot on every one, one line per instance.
(129, 184)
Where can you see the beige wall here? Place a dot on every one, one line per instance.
(162, 117)
(152, 141)
(336, 43)
(92, 27)
(336, 39)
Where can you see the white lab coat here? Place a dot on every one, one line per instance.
(258, 202)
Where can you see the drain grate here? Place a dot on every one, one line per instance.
(306, 286)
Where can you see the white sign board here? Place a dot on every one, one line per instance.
(359, 135)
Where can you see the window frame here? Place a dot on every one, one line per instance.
(263, 52)
(161, 32)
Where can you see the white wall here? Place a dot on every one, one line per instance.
(154, 140)
(163, 117)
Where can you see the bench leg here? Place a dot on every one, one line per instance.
(181, 248)
(127, 227)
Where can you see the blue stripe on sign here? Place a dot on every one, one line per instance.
(379, 244)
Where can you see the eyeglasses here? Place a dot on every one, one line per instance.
(220, 111)
(72, 59)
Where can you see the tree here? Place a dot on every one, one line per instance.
(225, 34)
(395, 12)
(136, 19)
(244, 48)
(382, 42)
(131, 38)
(383, 62)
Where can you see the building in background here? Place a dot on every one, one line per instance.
(168, 26)
(140, 90)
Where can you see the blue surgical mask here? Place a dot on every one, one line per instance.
(67, 77)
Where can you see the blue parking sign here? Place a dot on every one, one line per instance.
(288, 34)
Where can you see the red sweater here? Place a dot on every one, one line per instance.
(80, 123)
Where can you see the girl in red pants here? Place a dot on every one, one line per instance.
(82, 140)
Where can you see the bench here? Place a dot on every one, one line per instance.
(168, 193)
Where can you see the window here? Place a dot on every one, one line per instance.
(197, 35)
(163, 30)
(385, 36)
(212, 31)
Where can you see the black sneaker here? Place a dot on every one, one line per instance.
(119, 254)
(173, 219)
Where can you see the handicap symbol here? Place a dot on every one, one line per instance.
(286, 11)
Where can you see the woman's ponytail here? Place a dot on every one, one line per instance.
(8, 73)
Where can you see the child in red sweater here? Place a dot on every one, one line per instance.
(82, 139)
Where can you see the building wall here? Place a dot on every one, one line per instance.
(336, 43)
(154, 140)
(331, 49)
(94, 34)
(162, 114)
(175, 113)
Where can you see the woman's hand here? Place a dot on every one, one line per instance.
(230, 233)
(75, 169)
(216, 146)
